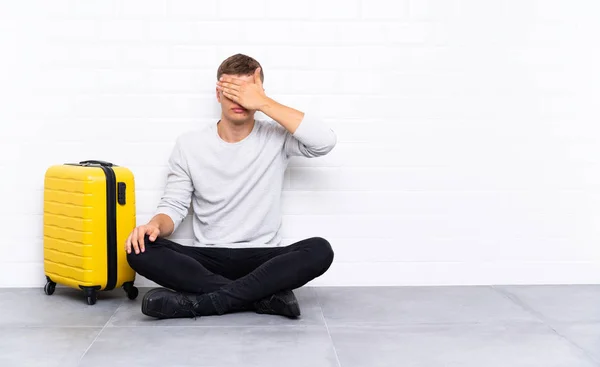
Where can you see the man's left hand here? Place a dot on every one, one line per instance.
(249, 95)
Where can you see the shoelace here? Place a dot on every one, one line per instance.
(194, 313)
(264, 305)
(188, 305)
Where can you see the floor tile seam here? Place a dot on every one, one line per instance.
(343, 324)
(337, 358)
(441, 324)
(315, 326)
(547, 322)
(518, 302)
(575, 345)
(100, 332)
(51, 326)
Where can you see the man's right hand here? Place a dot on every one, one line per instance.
(135, 240)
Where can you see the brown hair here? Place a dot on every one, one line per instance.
(240, 64)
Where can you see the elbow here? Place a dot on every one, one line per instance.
(327, 146)
(332, 142)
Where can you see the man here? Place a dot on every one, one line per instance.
(231, 173)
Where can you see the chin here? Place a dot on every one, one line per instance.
(240, 118)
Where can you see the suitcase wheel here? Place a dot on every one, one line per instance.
(91, 300)
(132, 292)
(90, 295)
(49, 287)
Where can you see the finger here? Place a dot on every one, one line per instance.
(229, 86)
(233, 97)
(154, 234)
(142, 239)
(141, 235)
(232, 91)
(232, 80)
(134, 241)
(128, 244)
(228, 90)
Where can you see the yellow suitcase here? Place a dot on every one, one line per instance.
(89, 211)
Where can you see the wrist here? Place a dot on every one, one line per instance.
(266, 104)
(155, 224)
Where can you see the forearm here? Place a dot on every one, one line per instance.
(288, 117)
(164, 223)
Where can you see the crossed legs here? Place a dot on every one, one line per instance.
(230, 279)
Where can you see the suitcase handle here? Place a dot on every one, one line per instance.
(102, 163)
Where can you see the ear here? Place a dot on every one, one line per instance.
(218, 95)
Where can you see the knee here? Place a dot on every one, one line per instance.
(323, 252)
(138, 261)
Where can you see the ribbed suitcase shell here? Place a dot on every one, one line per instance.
(81, 248)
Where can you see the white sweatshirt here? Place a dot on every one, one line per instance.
(235, 188)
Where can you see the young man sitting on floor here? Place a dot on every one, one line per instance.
(231, 172)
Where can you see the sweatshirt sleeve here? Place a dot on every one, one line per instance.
(312, 138)
(176, 198)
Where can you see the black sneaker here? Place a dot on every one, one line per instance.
(283, 303)
(164, 303)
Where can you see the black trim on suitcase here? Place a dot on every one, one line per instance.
(111, 226)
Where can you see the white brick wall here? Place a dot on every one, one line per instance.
(469, 143)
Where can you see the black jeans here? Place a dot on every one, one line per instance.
(233, 278)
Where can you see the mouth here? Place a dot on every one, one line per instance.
(239, 110)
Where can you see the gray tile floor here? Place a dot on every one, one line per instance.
(515, 326)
